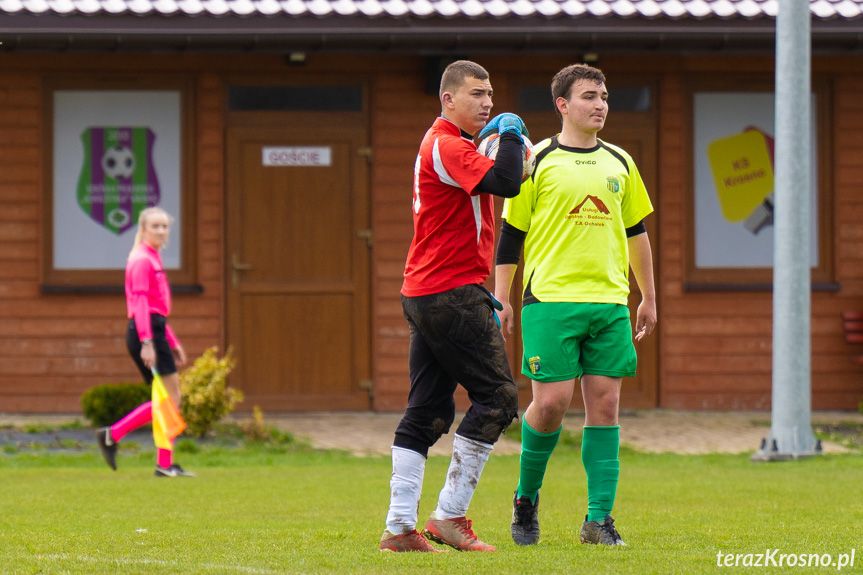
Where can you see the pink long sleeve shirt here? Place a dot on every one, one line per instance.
(147, 291)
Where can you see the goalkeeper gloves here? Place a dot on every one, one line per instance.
(503, 123)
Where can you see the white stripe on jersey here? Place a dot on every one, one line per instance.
(417, 202)
(439, 169)
(477, 214)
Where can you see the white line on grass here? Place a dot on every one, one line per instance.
(123, 561)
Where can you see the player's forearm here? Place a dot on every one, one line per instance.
(503, 275)
(509, 247)
(641, 261)
(504, 177)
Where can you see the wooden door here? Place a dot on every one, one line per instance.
(298, 262)
(635, 131)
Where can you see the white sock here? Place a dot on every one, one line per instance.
(468, 459)
(405, 489)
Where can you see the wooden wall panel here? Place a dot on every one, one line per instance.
(401, 112)
(715, 349)
(54, 347)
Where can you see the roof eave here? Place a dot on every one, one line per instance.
(159, 33)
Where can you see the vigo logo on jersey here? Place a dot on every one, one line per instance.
(592, 211)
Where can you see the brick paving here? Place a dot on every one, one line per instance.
(656, 431)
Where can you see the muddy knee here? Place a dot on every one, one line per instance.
(504, 410)
(421, 427)
(441, 425)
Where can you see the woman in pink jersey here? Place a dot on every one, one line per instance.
(149, 339)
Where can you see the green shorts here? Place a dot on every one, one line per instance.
(564, 340)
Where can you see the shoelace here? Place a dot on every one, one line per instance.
(465, 528)
(419, 539)
(413, 537)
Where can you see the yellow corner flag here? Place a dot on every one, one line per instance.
(167, 421)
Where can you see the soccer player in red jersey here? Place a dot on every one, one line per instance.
(454, 336)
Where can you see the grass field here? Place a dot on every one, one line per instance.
(274, 510)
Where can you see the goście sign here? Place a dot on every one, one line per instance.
(297, 156)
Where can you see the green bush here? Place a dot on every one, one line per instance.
(206, 395)
(106, 404)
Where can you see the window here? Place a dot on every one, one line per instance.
(113, 148)
(296, 98)
(730, 235)
(620, 98)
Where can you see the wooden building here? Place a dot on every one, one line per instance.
(287, 138)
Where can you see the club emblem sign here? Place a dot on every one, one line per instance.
(118, 179)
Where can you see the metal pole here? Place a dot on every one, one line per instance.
(791, 427)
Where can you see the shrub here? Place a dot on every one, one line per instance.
(106, 404)
(268, 437)
(255, 429)
(206, 395)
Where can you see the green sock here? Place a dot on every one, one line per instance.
(600, 447)
(536, 450)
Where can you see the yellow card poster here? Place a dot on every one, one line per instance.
(742, 170)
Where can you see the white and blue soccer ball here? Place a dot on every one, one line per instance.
(489, 145)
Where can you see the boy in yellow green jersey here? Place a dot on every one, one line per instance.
(580, 221)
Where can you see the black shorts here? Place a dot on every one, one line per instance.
(164, 356)
(455, 340)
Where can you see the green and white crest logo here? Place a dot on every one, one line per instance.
(613, 184)
(118, 180)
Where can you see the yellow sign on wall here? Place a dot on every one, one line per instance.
(742, 171)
